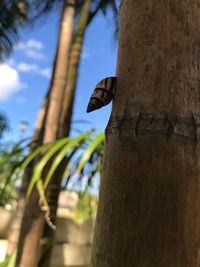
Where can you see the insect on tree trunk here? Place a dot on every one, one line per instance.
(149, 208)
(33, 220)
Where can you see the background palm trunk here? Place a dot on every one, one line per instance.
(149, 208)
(75, 56)
(60, 72)
(33, 220)
(64, 126)
(14, 230)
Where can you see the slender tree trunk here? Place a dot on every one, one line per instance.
(41, 119)
(48, 233)
(64, 127)
(60, 72)
(33, 220)
(75, 56)
(149, 208)
(14, 230)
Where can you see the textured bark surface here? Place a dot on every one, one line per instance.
(31, 231)
(64, 126)
(14, 231)
(149, 208)
(14, 228)
(41, 118)
(49, 233)
(75, 56)
(60, 72)
(33, 219)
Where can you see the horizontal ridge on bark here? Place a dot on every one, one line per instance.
(165, 124)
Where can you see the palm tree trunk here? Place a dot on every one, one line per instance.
(41, 119)
(48, 233)
(149, 208)
(60, 72)
(14, 230)
(33, 220)
(75, 56)
(64, 127)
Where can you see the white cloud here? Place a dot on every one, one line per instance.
(32, 49)
(24, 67)
(46, 72)
(10, 82)
(34, 54)
(34, 69)
(34, 44)
(30, 44)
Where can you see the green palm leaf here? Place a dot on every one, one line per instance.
(74, 144)
(37, 173)
(90, 149)
(9, 261)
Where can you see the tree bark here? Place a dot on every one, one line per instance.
(41, 119)
(49, 233)
(14, 230)
(149, 206)
(75, 56)
(64, 126)
(33, 220)
(60, 72)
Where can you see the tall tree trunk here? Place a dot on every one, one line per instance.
(64, 127)
(75, 56)
(60, 72)
(149, 208)
(14, 230)
(48, 233)
(33, 220)
(41, 119)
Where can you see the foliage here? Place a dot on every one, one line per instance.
(9, 261)
(86, 207)
(104, 5)
(15, 13)
(11, 156)
(3, 124)
(83, 154)
(12, 14)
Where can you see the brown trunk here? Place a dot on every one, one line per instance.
(48, 233)
(33, 220)
(149, 209)
(64, 127)
(60, 72)
(74, 61)
(14, 230)
(39, 126)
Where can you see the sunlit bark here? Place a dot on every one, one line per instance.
(75, 56)
(149, 208)
(14, 229)
(33, 221)
(65, 123)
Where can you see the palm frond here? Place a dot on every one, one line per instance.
(12, 14)
(82, 155)
(9, 261)
(3, 124)
(104, 5)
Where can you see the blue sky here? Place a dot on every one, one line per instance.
(26, 74)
